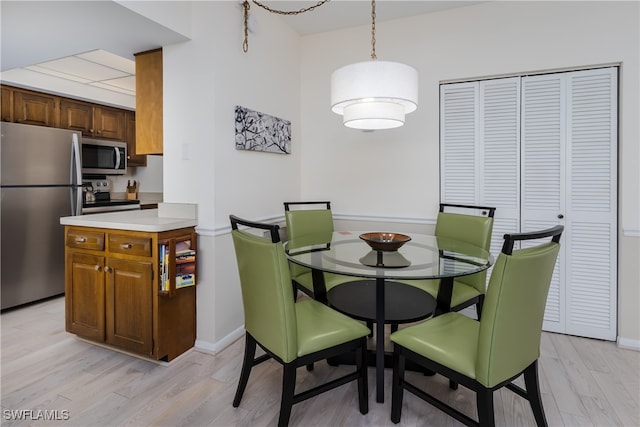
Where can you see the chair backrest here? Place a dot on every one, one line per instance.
(313, 218)
(267, 294)
(514, 305)
(307, 218)
(473, 229)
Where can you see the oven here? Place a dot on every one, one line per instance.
(97, 198)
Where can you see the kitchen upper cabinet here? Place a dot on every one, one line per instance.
(108, 123)
(32, 108)
(134, 159)
(7, 105)
(76, 116)
(92, 120)
(149, 129)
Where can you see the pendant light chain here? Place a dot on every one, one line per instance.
(245, 44)
(246, 6)
(373, 29)
(290, 12)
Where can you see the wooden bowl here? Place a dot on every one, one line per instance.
(385, 241)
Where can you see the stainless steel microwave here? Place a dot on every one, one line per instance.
(104, 157)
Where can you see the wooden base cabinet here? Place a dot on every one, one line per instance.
(85, 295)
(129, 305)
(113, 292)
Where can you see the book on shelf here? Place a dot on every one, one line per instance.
(185, 280)
(189, 268)
(164, 267)
(184, 247)
(181, 259)
(184, 262)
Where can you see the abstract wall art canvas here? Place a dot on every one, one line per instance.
(257, 131)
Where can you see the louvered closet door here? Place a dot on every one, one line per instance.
(543, 150)
(592, 151)
(479, 143)
(543, 159)
(569, 146)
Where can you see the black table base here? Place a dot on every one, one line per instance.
(362, 300)
(403, 303)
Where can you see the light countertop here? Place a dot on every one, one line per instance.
(145, 198)
(168, 216)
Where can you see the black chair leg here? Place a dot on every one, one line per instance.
(396, 387)
(484, 399)
(288, 390)
(479, 305)
(533, 392)
(394, 327)
(370, 326)
(247, 364)
(363, 389)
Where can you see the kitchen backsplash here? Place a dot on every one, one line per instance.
(149, 178)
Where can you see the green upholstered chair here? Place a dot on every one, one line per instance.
(293, 333)
(310, 219)
(488, 354)
(474, 226)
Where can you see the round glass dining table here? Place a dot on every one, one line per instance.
(423, 257)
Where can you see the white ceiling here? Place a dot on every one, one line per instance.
(339, 14)
(97, 68)
(85, 48)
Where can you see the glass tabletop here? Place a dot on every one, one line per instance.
(423, 257)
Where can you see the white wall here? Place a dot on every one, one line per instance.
(204, 80)
(395, 173)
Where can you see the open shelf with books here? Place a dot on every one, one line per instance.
(177, 264)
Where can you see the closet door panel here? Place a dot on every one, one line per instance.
(543, 157)
(592, 203)
(459, 122)
(499, 155)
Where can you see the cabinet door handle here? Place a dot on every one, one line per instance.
(560, 216)
(126, 246)
(97, 268)
(108, 269)
(81, 239)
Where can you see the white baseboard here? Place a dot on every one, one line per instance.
(628, 343)
(220, 345)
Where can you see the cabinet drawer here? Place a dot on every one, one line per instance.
(130, 245)
(83, 239)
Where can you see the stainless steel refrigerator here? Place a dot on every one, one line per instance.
(41, 181)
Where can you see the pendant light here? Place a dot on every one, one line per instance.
(374, 94)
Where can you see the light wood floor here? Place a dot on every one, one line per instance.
(584, 382)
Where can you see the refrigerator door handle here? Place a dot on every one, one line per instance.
(117, 157)
(76, 177)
